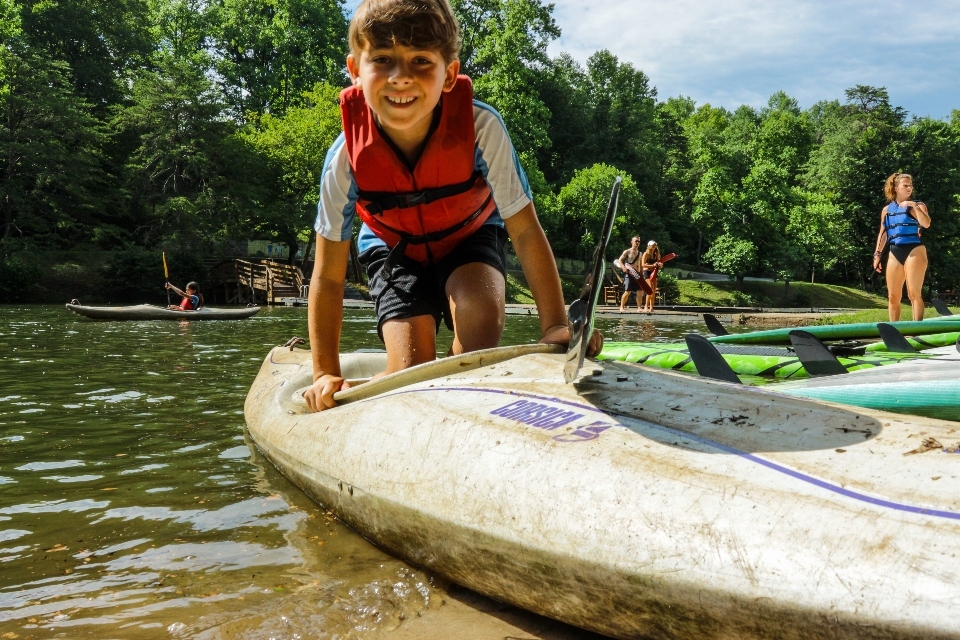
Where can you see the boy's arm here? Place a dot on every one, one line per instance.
(325, 320)
(540, 270)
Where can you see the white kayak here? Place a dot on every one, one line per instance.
(151, 312)
(636, 502)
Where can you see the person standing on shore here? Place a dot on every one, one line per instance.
(900, 227)
(649, 262)
(627, 262)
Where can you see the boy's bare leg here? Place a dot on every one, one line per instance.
(476, 292)
(409, 342)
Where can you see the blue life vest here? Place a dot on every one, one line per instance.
(901, 227)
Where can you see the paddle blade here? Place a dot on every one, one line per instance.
(709, 362)
(580, 316)
(894, 340)
(941, 307)
(815, 357)
(714, 325)
(166, 272)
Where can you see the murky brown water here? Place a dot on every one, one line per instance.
(132, 505)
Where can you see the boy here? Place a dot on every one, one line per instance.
(191, 297)
(434, 177)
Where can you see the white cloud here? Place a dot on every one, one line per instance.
(740, 51)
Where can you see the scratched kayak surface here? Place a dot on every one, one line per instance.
(636, 502)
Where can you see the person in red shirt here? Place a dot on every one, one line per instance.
(191, 297)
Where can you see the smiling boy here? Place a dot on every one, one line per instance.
(436, 182)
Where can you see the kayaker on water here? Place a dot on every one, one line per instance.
(191, 297)
(648, 262)
(627, 262)
(435, 179)
(900, 224)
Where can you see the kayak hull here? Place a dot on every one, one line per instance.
(151, 312)
(635, 502)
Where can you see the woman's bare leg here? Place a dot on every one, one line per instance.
(895, 278)
(915, 270)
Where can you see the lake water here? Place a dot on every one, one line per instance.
(132, 503)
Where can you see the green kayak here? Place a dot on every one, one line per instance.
(921, 343)
(856, 331)
(767, 362)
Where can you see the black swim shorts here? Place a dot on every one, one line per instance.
(418, 290)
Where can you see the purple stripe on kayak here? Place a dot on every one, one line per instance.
(817, 482)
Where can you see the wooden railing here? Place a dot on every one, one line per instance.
(245, 281)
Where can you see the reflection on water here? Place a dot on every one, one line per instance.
(131, 504)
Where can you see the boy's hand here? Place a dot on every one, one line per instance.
(320, 395)
(560, 334)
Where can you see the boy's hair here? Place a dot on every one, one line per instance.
(194, 286)
(419, 24)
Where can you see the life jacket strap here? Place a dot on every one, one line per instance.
(380, 202)
(406, 239)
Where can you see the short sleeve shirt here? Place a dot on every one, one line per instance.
(494, 156)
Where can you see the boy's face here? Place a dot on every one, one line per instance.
(402, 86)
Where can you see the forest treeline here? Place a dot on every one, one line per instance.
(195, 125)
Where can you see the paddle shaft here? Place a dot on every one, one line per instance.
(166, 275)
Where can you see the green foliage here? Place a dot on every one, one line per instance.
(669, 286)
(135, 275)
(19, 271)
(732, 255)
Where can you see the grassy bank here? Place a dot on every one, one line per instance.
(726, 294)
(879, 315)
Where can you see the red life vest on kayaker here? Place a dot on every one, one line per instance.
(425, 213)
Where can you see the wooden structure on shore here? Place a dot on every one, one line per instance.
(258, 282)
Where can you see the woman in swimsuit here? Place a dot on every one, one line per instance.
(900, 224)
(650, 260)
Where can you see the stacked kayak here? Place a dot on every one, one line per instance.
(764, 362)
(854, 331)
(151, 312)
(636, 502)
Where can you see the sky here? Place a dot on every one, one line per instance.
(733, 52)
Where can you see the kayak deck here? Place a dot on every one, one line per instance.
(637, 502)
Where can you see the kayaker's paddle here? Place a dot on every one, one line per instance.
(166, 274)
(814, 356)
(580, 315)
(708, 361)
(894, 340)
(941, 307)
(713, 325)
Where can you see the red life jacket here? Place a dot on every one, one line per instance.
(426, 213)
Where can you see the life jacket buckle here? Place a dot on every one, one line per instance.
(413, 199)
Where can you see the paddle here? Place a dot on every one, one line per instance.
(580, 315)
(166, 274)
(894, 340)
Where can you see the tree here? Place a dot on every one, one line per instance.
(270, 52)
(296, 143)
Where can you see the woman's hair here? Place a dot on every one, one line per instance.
(419, 24)
(890, 186)
(652, 254)
(194, 286)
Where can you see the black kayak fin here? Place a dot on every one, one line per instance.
(894, 340)
(709, 362)
(815, 357)
(941, 307)
(714, 325)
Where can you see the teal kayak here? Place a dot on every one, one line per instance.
(856, 331)
(765, 362)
